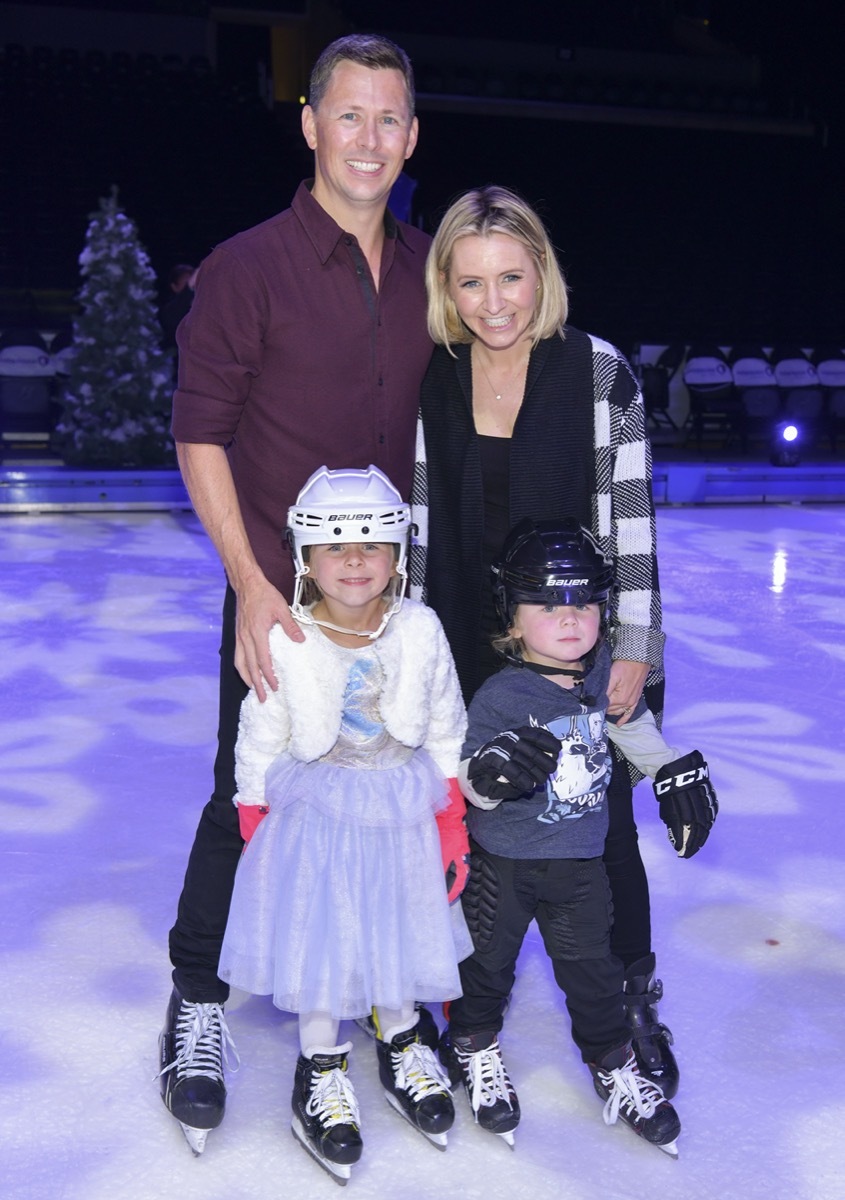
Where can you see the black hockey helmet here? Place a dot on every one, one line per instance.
(550, 562)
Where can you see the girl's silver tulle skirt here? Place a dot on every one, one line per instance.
(340, 900)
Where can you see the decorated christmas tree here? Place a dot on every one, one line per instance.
(118, 396)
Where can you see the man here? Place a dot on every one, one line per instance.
(306, 345)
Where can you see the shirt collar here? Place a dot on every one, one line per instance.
(323, 231)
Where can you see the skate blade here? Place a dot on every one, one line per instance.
(507, 1138)
(671, 1148)
(440, 1140)
(196, 1138)
(339, 1172)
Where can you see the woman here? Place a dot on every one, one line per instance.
(524, 416)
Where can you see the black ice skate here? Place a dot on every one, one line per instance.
(476, 1061)
(416, 1085)
(192, 1048)
(651, 1039)
(427, 1029)
(325, 1112)
(632, 1097)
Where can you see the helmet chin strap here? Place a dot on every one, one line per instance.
(372, 634)
(542, 669)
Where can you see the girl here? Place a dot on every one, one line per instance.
(339, 905)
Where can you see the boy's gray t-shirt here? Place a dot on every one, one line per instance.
(567, 816)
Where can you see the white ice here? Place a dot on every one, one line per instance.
(108, 647)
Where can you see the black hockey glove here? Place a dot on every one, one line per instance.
(514, 763)
(688, 804)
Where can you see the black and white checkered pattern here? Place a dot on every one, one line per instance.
(622, 508)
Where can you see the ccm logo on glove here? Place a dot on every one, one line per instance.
(683, 780)
(688, 804)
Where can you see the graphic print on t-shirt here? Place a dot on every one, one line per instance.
(579, 781)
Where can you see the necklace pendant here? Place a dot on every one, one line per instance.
(499, 396)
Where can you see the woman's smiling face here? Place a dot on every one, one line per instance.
(493, 282)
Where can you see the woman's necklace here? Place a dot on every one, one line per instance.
(514, 378)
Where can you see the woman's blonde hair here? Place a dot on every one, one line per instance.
(479, 213)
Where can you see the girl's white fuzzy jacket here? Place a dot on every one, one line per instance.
(421, 702)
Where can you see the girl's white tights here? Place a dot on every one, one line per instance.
(318, 1030)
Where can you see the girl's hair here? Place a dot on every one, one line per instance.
(367, 50)
(479, 213)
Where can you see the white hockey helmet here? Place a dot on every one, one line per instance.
(348, 505)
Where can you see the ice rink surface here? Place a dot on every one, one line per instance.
(108, 648)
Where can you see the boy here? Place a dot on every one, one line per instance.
(535, 767)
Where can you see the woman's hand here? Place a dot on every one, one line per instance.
(627, 680)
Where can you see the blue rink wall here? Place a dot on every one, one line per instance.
(36, 488)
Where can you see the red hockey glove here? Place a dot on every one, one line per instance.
(454, 842)
(250, 817)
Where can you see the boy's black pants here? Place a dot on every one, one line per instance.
(570, 900)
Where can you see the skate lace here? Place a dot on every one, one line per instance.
(489, 1081)
(332, 1100)
(203, 1042)
(418, 1072)
(629, 1092)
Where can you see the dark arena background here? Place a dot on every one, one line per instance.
(688, 159)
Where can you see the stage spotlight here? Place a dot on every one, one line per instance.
(786, 445)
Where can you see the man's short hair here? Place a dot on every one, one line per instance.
(367, 50)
